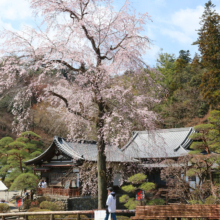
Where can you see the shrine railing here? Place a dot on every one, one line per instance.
(60, 215)
(58, 191)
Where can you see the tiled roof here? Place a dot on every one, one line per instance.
(144, 144)
(159, 144)
(88, 151)
(82, 151)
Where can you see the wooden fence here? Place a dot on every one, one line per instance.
(55, 215)
(177, 211)
(58, 191)
(142, 212)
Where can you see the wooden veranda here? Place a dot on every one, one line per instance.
(58, 192)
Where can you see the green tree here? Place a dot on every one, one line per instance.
(207, 136)
(25, 181)
(137, 181)
(185, 55)
(181, 63)
(183, 100)
(4, 142)
(166, 66)
(209, 47)
(14, 152)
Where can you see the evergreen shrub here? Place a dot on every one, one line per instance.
(49, 205)
(4, 208)
(36, 217)
(27, 203)
(84, 217)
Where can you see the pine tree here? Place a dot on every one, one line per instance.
(137, 182)
(209, 47)
(14, 152)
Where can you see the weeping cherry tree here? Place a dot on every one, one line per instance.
(71, 61)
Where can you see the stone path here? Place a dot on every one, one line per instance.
(13, 208)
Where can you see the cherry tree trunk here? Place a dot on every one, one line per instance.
(101, 160)
(102, 183)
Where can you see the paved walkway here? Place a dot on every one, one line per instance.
(13, 208)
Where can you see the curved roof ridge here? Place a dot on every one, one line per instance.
(66, 148)
(189, 141)
(41, 155)
(130, 141)
(183, 149)
(186, 142)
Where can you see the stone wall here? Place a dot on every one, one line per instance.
(88, 203)
(60, 199)
(82, 203)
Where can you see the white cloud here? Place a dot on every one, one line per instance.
(182, 37)
(183, 24)
(188, 20)
(151, 54)
(15, 9)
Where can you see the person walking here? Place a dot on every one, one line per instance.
(111, 204)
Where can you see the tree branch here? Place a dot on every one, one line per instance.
(82, 67)
(91, 40)
(86, 117)
(119, 44)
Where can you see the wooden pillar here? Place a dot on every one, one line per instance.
(78, 216)
(51, 217)
(26, 217)
(3, 217)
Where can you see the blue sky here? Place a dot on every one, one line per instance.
(173, 28)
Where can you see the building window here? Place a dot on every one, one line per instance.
(117, 179)
(75, 181)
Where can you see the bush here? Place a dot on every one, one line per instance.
(34, 204)
(60, 205)
(4, 208)
(49, 205)
(45, 217)
(33, 209)
(43, 198)
(36, 217)
(156, 202)
(84, 217)
(27, 203)
(122, 217)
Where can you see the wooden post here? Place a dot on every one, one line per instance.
(78, 216)
(3, 217)
(51, 217)
(26, 217)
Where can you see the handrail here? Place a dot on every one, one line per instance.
(52, 213)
